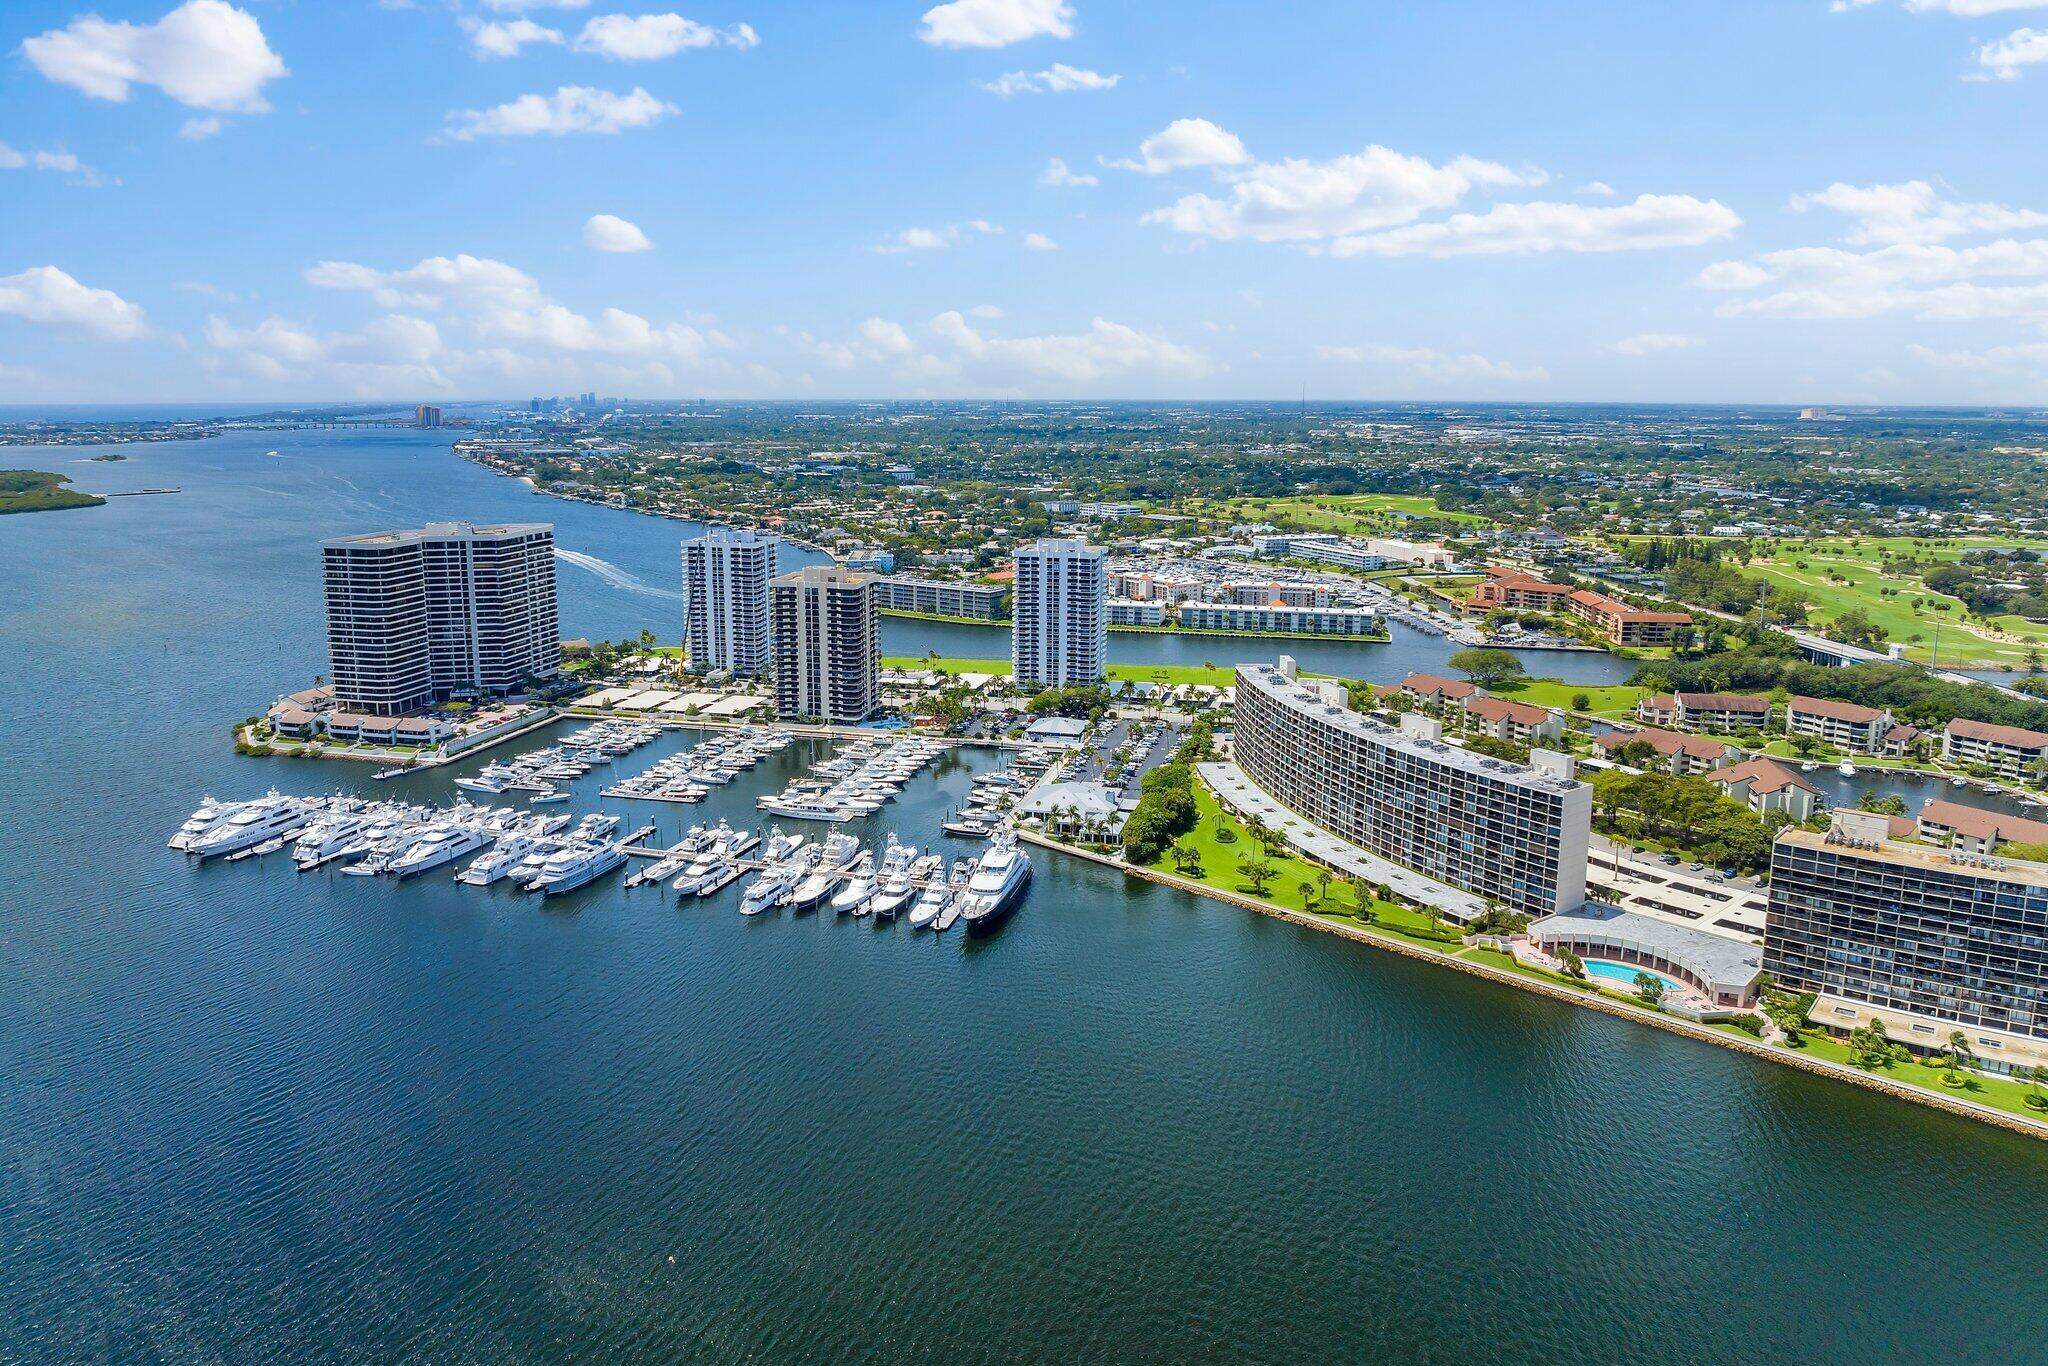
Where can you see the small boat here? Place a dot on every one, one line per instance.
(1808, 767)
(543, 798)
(1847, 769)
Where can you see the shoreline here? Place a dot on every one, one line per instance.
(1756, 1048)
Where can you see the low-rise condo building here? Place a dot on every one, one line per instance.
(1722, 711)
(1509, 590)
(1520, 723)
(1928, 941)
(1316, 621)
(1434, 692)
(1764, 786)
(1845, 725)
(1517, 835)
(1134, 612)
(2006, 750)
(1678, 753)
(1974, 830)
(1623, 624)
(942, 597)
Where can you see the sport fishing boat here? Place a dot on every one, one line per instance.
(892, 883)
(853, 898)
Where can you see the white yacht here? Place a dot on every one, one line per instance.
(578, 865)
(498, 861)
(892, 882)
(441, 846)
(929, 903)
(325, 840)
(997, 884)
(703, 871)
(804, 809)
(209, 814)
(260, 820)
(860, 887)
(1848, 768)
(774, 884)
(815, 885)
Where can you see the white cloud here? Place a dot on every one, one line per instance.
(1057, 79)
(1306, 201)
(63, 163)
(1184, 143)
(1910, 271)
(2028, 357)
(200, 129)
(1106, 349)
(504, 38)
(1913, 212)
(934, 239)
(886, 338)
(1437, 367)
(609, 232)
(1650, 343)
(528, 6)
(2021, 48)
(995, 23)
(1597, 187)
(500, 305)
(455, 323)
(1922, 281)
(571, 109)
(1038, 241)
(652, 37)
(1968, 9)
(1349, 354)
(1651, 221)
(205, 54)
(48, 296)
(1056, 173)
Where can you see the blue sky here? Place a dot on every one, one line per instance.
(295, 200)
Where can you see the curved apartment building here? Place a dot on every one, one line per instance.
(1516, 835)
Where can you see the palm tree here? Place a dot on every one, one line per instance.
(2037, 1076)
(1958, 1049)
(1309, 895)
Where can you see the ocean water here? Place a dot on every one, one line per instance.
(252, 1115)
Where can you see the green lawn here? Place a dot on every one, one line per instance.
(1617, 700)
(1216, 675)
(1859, 562)
(1221, 856)
(1998, 1092)
(1354, 514)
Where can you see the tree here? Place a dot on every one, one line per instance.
(1890, 804)
(1650, 987)
(1582, 701)
(2037, 1077)
(1574, 966)
(1487, 667)
(1958, 1049)
(1257, 872)
(1309, 895)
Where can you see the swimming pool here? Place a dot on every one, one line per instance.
(1625, 975)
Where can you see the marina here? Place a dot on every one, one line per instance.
(487, 838)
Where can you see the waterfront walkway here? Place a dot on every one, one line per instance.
(1247, 799)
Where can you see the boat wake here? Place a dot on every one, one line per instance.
(615, 576)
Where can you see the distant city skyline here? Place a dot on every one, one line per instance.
(427, 202)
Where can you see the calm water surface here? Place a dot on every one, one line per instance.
(246, 1114)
